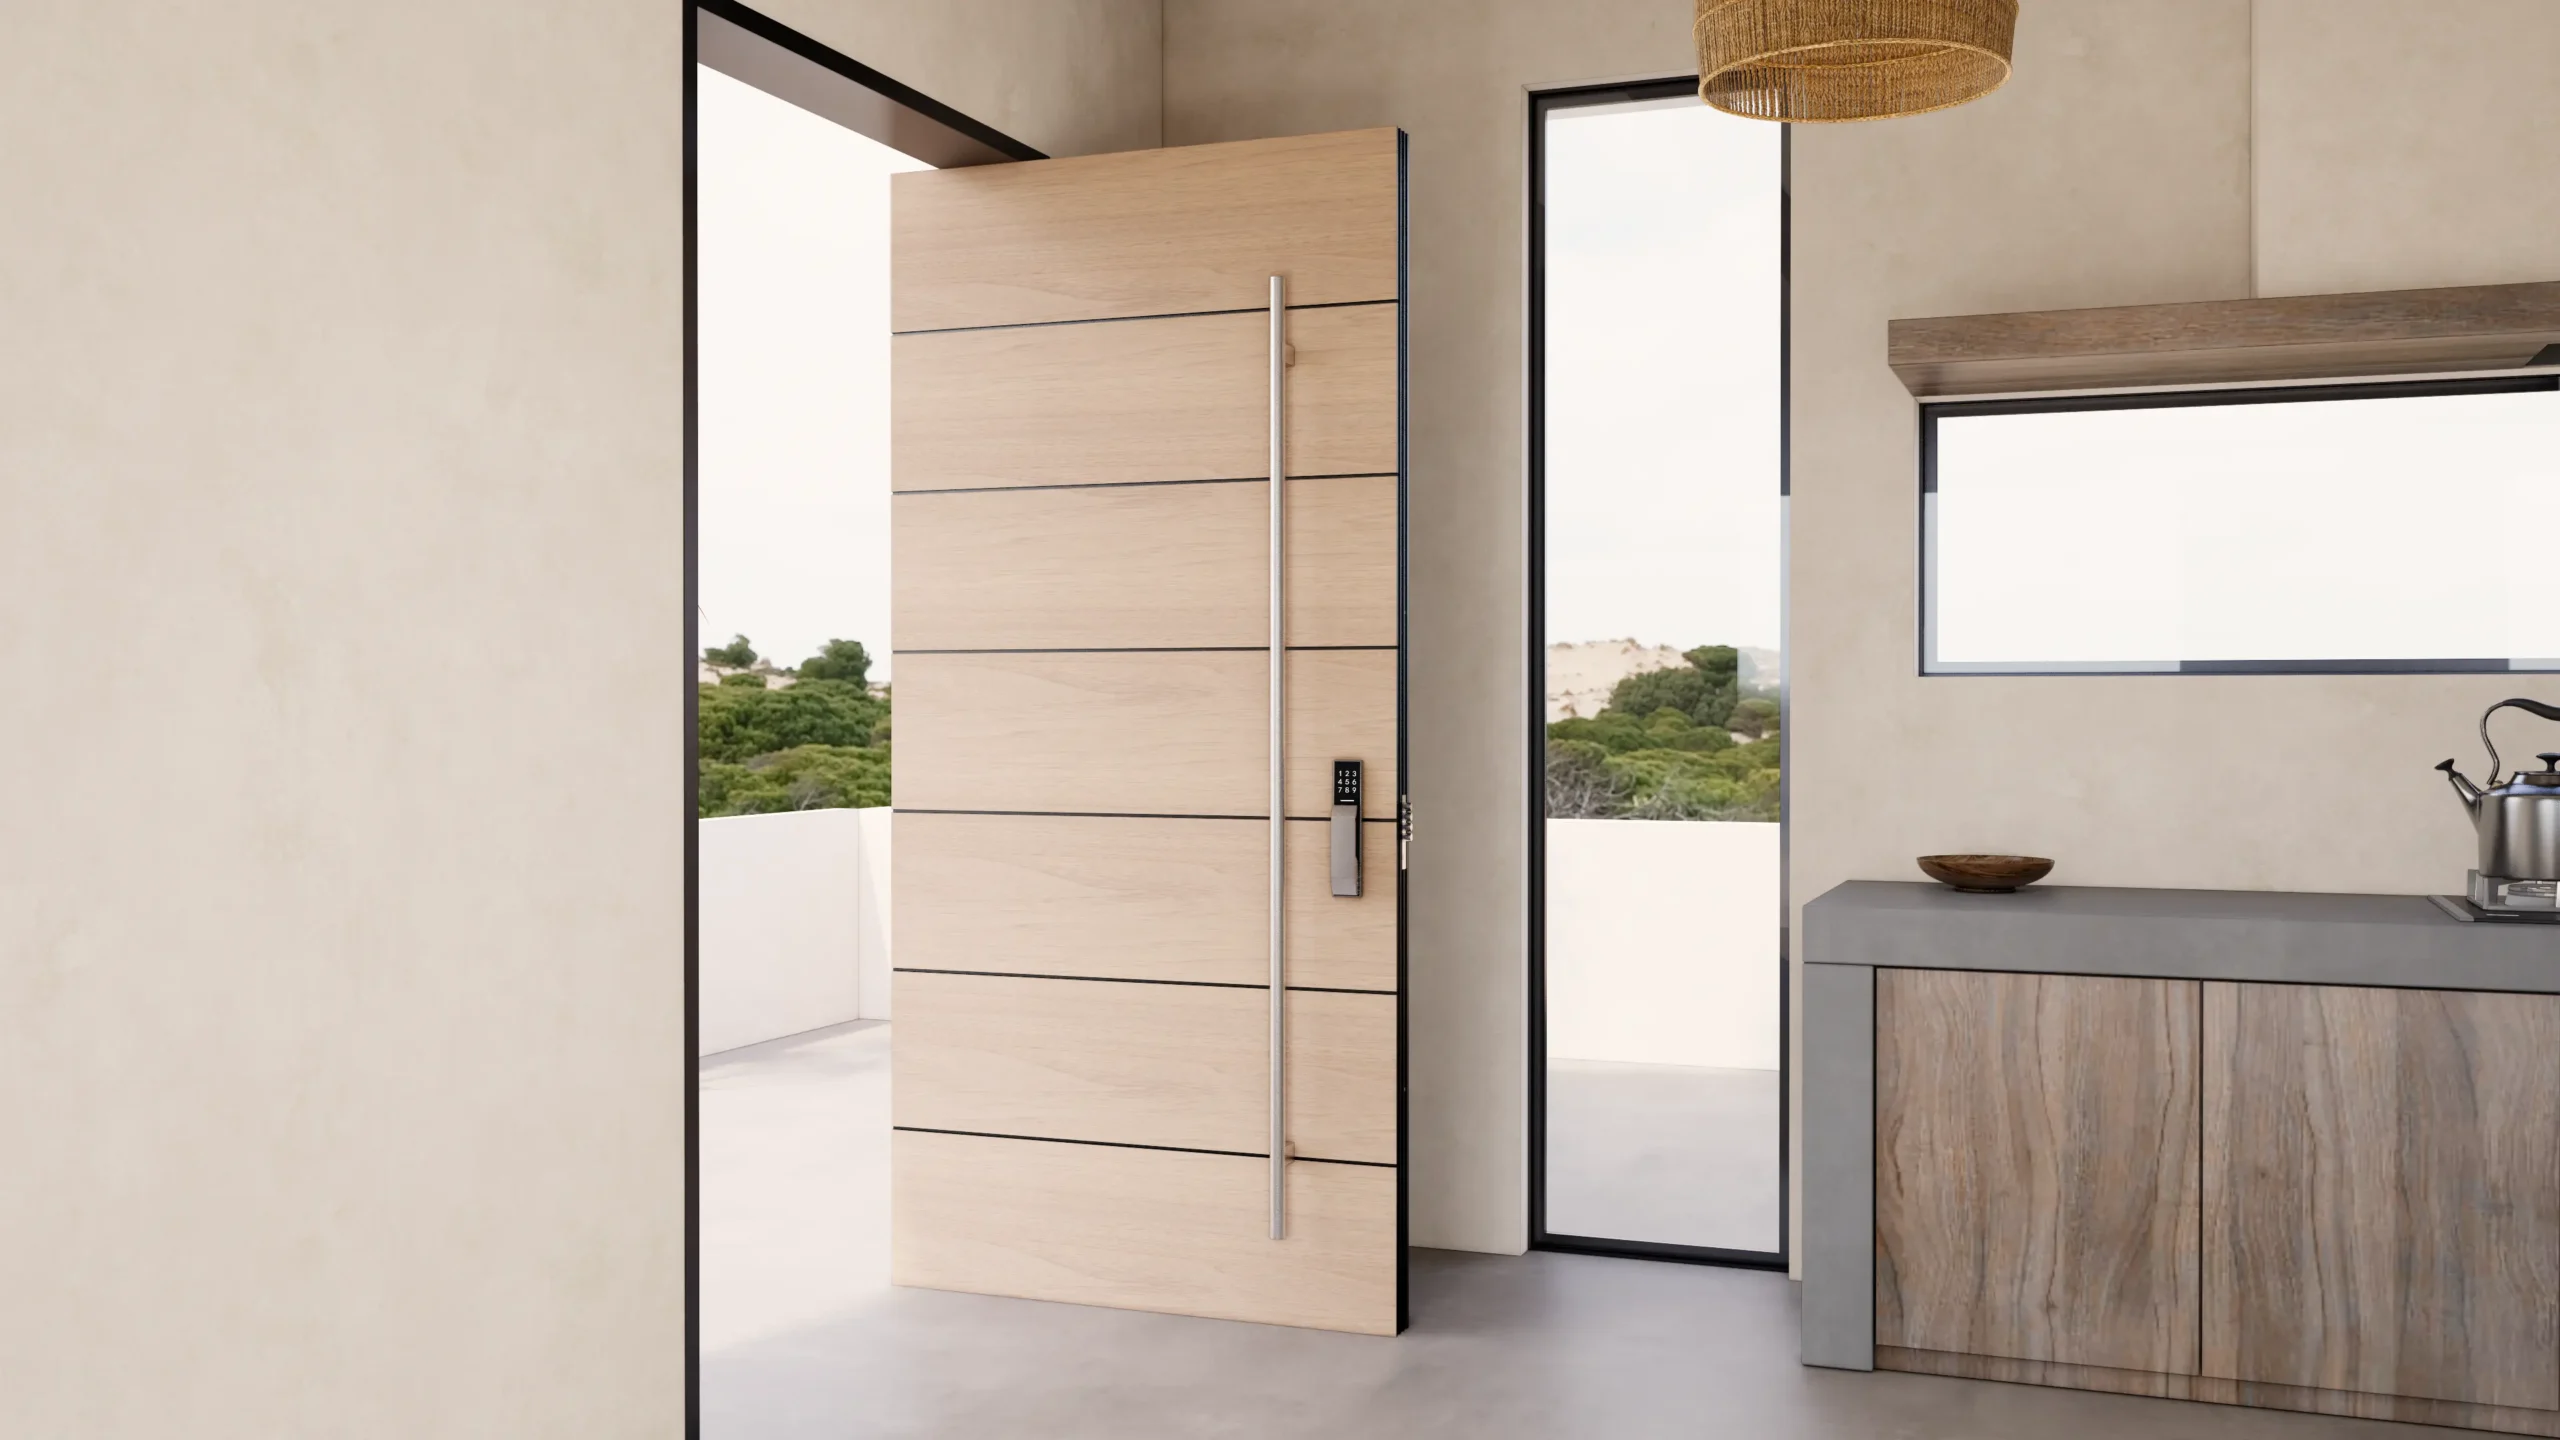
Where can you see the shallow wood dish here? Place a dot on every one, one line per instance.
(1986, 874)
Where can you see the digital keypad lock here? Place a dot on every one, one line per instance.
(1345, 827)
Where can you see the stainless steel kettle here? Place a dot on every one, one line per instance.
(2519, 821)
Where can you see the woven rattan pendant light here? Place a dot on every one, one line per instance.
(1826, 60)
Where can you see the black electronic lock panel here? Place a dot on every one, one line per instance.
(1346, 828)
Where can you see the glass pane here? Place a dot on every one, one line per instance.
(1662, 553)
(2301, 530)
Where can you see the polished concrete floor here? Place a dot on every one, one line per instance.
(805, 1340)
(1676, 1154)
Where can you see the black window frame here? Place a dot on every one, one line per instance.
(1543, 103)
(1926, 599)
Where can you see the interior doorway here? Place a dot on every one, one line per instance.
(789, 706)
(1658, 481)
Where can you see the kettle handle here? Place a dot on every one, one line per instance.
(2547, 712)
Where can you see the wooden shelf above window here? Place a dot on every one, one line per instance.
(2300, 337)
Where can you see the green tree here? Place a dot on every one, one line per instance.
(1754, 716)
(737, 654)
(843, 660)
(745, 679)
(1663, 748)
(1704, 690)
(738, 723)
(804, 777)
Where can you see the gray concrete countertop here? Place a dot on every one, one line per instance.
(2393, 940)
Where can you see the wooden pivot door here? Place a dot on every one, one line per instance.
(2382, 1194)
(2036, 1171)
(1083, 438)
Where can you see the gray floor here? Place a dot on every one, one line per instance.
(805, 1340)
(1677, 1154)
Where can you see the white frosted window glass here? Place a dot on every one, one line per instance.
(2396, 530)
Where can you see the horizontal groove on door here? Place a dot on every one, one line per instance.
(1140, 1064)
(1169, 733)
(1150, 400)
(1137, 899)
(1157, 1230)
(1153, 567)
(1132, 980)
(1152, 315)
(1139, 484)
(1147, 232)
(1124, 1145)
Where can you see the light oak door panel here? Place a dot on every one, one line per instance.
(1143, 1064)
(1181, 397)
(2037, 1165)
(1136, 899)
(1166, 1230)
(1150, 232)
(1167, 733)
(1134, 566)
(2382, 1183)
(1081, 500)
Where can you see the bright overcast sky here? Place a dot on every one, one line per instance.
(1662, 520)
(794, 270)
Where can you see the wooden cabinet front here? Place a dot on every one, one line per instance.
(2037, 1168)
(2382, 1192)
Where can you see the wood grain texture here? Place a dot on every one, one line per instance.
(1143, 565)
(1181, 398)
(1142, 1064)
(2303, 337)
(2383, 1191)
(1161, 1230)
(1136, 899)
(2213, 1391)
(1167, 733)
(1147, 232)
(2037, 1167)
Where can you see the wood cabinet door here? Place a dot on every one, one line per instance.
(2382, 1191)
(2037, 1167)
(1080, 443)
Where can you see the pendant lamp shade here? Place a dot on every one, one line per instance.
(1825, 60)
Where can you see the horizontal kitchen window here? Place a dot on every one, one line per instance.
(2315, 529)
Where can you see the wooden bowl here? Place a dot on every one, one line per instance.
(1986, 874)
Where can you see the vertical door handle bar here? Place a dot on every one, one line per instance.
(1279, 997)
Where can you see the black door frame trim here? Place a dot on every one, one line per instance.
(913, 120)
(1541, 104)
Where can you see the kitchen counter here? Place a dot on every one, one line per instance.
(2390, 942)
(2401, 940)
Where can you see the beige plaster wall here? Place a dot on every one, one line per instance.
(2407, 143)
(1066, 77)
(2118, 167)
(1454, 74)
(342, 1065)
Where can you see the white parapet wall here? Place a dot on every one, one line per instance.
(1662, 942)
(795, 924)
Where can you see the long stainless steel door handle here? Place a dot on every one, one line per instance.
(1279, 1139)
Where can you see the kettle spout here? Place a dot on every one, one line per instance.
(2463, 787)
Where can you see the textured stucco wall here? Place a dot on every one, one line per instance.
(342, 1063)
(2406, 143)
(1066, 77)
